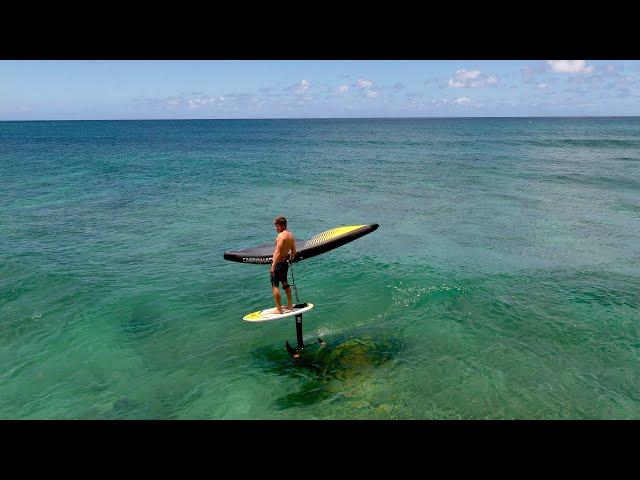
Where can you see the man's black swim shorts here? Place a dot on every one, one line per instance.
(279, 274)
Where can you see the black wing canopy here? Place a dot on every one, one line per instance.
(321, 243)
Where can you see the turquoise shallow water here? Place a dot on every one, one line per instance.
(503, 282)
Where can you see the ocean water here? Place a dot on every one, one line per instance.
(503, 282)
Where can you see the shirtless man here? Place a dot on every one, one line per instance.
(285, 243)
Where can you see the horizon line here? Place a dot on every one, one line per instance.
(313, 118)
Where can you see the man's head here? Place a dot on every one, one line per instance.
(280, 223)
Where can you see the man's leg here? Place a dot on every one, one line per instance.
(285, 284)
(276, 296)
(287, 290)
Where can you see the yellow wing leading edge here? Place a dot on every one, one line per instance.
(330, 234)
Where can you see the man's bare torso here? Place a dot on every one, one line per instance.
(284, 244)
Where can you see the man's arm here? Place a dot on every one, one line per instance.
(276, 252)
(293, 249)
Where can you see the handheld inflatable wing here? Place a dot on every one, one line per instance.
(321, 243)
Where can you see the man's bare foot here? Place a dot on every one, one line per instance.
(288, 308)
(278, 311)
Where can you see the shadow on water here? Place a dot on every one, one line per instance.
(143, 319)
(324, 369)
(126, 408)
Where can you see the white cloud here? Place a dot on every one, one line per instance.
(530, 72)
(301, 87)
(541, 86)
(363, 84)
(610, 68)
(343, 88)
(462, 101)
(569, 66)
(195, 100)
(472, 79)
(373, 93)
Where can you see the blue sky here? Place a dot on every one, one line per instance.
(50, 90)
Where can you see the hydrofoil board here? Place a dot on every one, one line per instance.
(269, 314)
